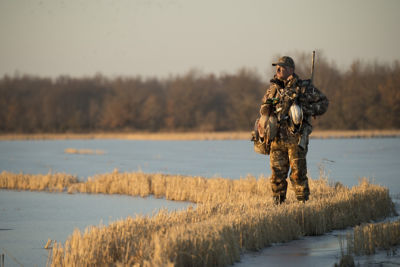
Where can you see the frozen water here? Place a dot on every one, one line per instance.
(28, 219)
(344, 160)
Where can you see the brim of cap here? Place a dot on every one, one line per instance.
(280, 64)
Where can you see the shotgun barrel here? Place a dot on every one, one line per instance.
(312, 66)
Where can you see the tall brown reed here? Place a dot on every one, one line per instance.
(231, 216)
(83, 151)
(38, 182)
(367, 238)
(237, 135)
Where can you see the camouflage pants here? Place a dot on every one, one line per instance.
(283, 156)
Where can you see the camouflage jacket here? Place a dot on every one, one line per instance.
(294, 90)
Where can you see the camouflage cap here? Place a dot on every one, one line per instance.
(285, 61)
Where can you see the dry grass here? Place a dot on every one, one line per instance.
(231, 216)
(133, 136)
(355, 134)
(234, 215)
(195, 135)
(56, 182)
(83, 151)
(369, 237)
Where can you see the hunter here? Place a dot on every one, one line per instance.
(293, 102)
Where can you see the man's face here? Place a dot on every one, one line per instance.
(283, 72)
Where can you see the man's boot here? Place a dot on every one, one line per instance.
(302, 192)
(279, 199)
(302, 198)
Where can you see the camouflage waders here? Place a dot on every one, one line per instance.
(288, 149)
(285, 155)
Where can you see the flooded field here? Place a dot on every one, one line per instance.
(344, 160)
(28, 219)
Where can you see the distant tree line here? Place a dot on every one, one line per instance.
(365, 96)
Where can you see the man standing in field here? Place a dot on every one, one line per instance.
(291, 102)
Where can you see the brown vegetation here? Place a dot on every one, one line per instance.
(196, 135)
(83, 151)
(367, 238)
(231, 216)
(365, 96)
(56, 182)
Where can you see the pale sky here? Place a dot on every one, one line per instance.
(163, 37)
